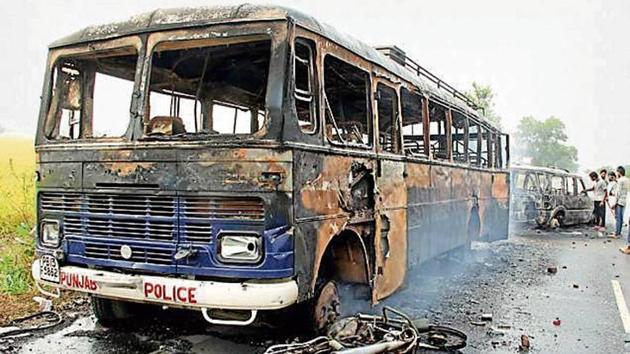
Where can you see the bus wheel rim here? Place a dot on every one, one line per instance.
(327, 306)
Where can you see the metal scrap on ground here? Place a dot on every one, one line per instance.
(371, 334)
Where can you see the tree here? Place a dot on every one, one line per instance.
(482, 96)
(543, 143)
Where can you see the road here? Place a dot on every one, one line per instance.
(508, 279)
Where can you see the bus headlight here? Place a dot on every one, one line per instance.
(239, 248)
(50, 233)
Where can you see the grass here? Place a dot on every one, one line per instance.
(17, 241)
(17, 215)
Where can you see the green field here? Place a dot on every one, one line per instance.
(17, 214)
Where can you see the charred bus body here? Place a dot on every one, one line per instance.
(543, 197)
(262, 159)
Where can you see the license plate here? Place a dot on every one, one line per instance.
(49, 269)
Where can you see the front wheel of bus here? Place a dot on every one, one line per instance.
(326, 307)
(111, 313)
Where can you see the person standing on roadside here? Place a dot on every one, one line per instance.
(599, 198)
(611, 199)
(622, 194)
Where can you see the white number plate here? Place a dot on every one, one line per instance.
(49, 269)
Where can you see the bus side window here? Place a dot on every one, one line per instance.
(413, 134)
(458, 137)
(388, 131)
(304, 90)
(485, 147)
(437, 131)
(346, 92)
(474, 155)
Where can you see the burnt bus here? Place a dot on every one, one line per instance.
(240, 159)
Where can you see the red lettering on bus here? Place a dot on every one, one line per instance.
(191, 295)
(148, 288)
(171, 293)
(180, 297)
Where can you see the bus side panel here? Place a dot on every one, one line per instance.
(391, 239)
(418, 198)
(494, 205)
(437, 211)
(324, 207)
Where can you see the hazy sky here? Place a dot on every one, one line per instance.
(570, 58)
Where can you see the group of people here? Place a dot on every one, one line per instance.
(610, 188)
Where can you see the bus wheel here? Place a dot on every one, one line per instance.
(111, 313)
(326, 306)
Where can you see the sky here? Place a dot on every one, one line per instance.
(565, 58)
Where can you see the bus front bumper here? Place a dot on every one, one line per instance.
(175, 292)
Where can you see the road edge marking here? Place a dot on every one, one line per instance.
(621, 305)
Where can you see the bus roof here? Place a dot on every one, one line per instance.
(178, 18)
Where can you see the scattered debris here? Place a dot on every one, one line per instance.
(40, 320)
(44, 304)
(372, 334)
(524, 343)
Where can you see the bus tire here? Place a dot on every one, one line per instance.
(325, 307)
(111, 313)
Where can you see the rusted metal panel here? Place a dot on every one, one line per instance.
(60, 175)
(391, 228)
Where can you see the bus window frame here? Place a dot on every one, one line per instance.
(342, 54)
(314, 78)
(447, 129)
(465, 118)
(275, 33)
(414, 92)
(396, 116)
(56, 56)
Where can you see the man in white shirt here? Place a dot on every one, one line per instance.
(623, 184)
(599, 198)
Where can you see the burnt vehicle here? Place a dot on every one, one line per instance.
(240, 159)
(544, 197)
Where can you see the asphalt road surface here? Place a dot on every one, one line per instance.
(508, 279)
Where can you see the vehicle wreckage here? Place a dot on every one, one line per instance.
(250, 158)
(548, 197)
(391, 332)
